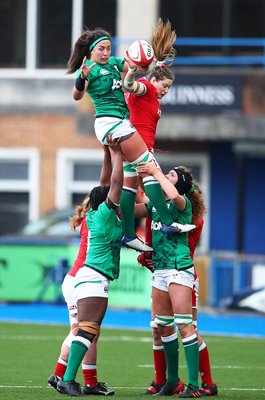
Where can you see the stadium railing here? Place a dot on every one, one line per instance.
(202, 51)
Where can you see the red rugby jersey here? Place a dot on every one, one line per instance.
(145, 112)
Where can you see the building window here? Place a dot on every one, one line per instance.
(228, 19)
(19, 175)
(78, 171)
(94, 16)
(54, 33)
(13, 33)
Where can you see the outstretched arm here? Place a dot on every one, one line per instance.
(116, 180)
(129, 82)
(106, 167)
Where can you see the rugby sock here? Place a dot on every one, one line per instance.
(154, 192)
(191, 350)
(90, 374)
(127, 202)
(160, 364)
(204, 365)
(60, 367)
(77, 351)
(171, 347)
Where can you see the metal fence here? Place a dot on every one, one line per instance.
(201, 51)
(234, 277)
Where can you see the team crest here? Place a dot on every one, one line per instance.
(104, 72)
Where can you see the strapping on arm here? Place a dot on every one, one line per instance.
(131, 85)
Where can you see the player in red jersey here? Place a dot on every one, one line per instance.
(89, 368)
(143, 97)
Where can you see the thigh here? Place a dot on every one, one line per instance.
(161, 304)
(181, 298)
(92, 309)
(133, 147)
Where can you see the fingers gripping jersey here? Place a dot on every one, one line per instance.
(105, 88)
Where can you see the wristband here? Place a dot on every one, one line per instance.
(80, 83)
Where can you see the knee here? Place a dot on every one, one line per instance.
(157, 341)
(89, 330)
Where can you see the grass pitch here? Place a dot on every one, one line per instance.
(29, 353)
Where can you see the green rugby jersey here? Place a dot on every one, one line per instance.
(105, 88)
(105, 236)
(170, 251)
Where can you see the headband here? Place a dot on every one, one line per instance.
(93, 44)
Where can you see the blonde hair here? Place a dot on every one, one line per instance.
(80, 214)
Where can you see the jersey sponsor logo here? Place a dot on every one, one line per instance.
(156, 226)
(104, 72)
(116, 84)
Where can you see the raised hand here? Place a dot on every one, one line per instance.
(85, 70)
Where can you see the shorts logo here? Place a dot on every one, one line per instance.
(106, 289)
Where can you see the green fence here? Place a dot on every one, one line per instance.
(33, 271)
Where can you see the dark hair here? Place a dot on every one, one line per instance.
(81, 48)
(97, 195)
(184, 182)
(188, 186)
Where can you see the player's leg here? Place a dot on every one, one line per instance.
(91, 311)
(169, 335)
(208, 386)
(181, 295)
(70, 298)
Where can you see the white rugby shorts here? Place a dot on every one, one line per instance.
(162, 278)
(90, 283)
(119, 128)
(68, 289)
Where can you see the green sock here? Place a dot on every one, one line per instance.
(171, 347)
(127, 202)
(77, 352)
(191, 350)
(154, 192)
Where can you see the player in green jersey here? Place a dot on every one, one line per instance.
(101, 266)
(173, 276)
(99, 75)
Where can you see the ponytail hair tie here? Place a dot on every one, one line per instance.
(160, 64)
(191, 189)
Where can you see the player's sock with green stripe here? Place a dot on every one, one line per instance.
(127, 202)
(191, 350)
(77, 352)
(171, 347)
(154, 192)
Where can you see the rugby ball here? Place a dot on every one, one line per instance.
(141, 52)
